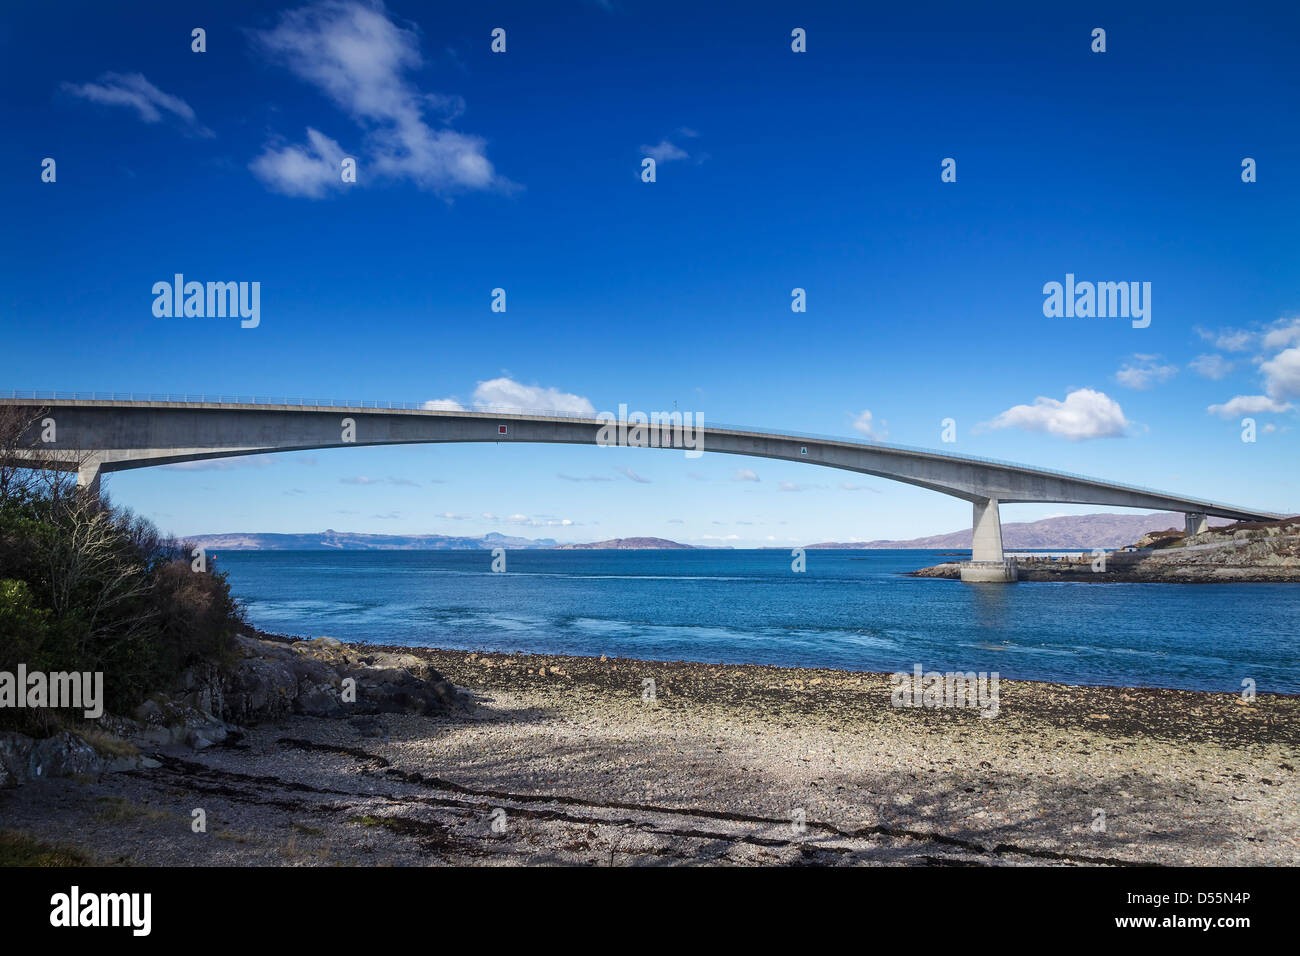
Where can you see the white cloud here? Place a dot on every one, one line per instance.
(1143, 371)
(444, 405)
(134, 91)
(1247, 405)
(507, 394)
(867, 425)
(1282, 333)
(359, 58)
(633, 475)
(1211, 366)
(541, 521)
(309, 171)
(744, 474)
(1282, 374)
(1085, 413)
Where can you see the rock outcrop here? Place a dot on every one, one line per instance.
(274, 679)
(270, 680)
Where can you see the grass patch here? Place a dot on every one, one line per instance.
(23, 849)
(292, 851)
(106, 744)
(120, 810)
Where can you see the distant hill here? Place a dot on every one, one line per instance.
(1068, 531)
(628, 544)
(331, 540)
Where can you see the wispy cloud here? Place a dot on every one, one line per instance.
(364, 480)
(1144, 371)
(849, 486)
(667, 151)
(1212, 366)
(632, 475)
(744, 474)
(223, 464)
(664, 152)
(1229, 339)
(1248, 405)
(360, 59)
(135, 92)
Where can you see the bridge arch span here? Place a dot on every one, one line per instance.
(95, 436)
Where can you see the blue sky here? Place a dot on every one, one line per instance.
(778, 170)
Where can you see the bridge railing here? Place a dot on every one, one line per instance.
(219, 399)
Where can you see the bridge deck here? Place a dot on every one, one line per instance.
(126, 400)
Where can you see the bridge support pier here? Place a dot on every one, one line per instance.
(88, 476)
(1197, 524)
(988, 564)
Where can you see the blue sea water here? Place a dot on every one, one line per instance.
(851, 609)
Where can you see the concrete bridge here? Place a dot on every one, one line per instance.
(104, 433)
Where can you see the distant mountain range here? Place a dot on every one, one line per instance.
(331, 540)
(1064, 532)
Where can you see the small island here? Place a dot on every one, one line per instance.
(628, 544)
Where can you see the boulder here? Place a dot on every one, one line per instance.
(24, 758)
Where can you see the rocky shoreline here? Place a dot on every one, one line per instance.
(1037, 569)
(489, 758)
(1244, 553)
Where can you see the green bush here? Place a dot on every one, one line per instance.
(85, 586)
(23, 626)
